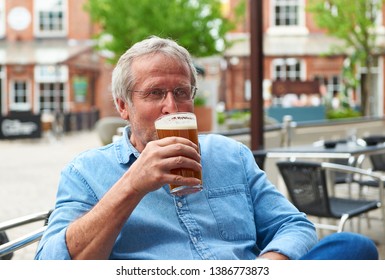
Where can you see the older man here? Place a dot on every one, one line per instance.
(114, 203)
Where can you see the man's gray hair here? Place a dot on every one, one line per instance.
(122, 77)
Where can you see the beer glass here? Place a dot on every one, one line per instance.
(180, 124)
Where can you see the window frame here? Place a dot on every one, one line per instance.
(46, 99)
(20, 106)
(39, 7)
(298, 29)
(45, 73)
(58, 76)
(331, 82)
(288, 62)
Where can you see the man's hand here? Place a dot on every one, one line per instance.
(153, 167)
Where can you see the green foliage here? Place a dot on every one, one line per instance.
(343, 113)
(354, 22)
(199, 100)
(351, 21)
(347, 19)
(221, 117)
(197, 25)
(240, 115)
(235, 115)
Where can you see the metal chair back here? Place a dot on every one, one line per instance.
(8, 247)
(307, 188)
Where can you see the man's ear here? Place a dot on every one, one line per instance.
(123, 109)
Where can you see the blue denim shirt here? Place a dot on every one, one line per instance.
(238, 215)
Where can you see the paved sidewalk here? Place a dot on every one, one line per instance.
(29, 173)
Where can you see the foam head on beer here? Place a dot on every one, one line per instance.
(176, 121)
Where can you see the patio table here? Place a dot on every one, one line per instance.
(340, 151)
(354, 153)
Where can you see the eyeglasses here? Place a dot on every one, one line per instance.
(181, 94)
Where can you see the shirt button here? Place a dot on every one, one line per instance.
(180, 204)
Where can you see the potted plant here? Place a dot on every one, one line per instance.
(203, 113)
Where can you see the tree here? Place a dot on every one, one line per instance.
(355, 22)
(198, 25)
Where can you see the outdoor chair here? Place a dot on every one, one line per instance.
(309, 190)
(378, 165)
(260, 157)
(8, 247)
(342, 177)
(377, 162)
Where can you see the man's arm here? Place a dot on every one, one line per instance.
(93, 235)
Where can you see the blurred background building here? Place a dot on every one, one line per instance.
(298, 59)
(51, 76)
(49, 73)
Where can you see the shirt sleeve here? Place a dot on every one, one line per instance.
(279, 225)
(53, 248)
(74, 199)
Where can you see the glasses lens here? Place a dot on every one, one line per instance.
(154, 94)
(180, 94)
(183, 94)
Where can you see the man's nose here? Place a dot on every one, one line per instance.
(169, 103)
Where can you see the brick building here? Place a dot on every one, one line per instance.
(294, 49)
(48, 67)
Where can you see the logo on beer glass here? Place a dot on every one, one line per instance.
(181, 125)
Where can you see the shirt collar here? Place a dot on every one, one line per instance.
(124, 148)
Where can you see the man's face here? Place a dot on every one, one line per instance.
(155, 71)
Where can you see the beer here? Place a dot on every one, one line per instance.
(180, 125)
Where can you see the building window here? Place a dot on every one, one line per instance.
(51, 18)
(287, 17)
(331, 83)
(287, 69)
(377, 12)
(286, 12)
(51, 97)
(2, 19)
(51, 81)
(51, 73)
(20, 96)
(373, 10)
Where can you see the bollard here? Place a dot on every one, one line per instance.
(286, 131)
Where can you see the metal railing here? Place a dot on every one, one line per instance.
(11, 246)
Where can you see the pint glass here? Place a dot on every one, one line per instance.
(182, 125)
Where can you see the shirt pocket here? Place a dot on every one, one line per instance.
(233, 212)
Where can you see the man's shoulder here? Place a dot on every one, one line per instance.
(95, 154)
(217, 139)
(220, 144)
(214, 136)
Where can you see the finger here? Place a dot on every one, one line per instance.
(163, 172)
(175, 140)
(183, 162)
(171, 148)
(182, 181)
(183, 151)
